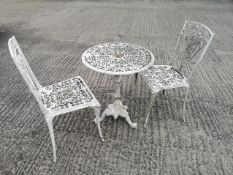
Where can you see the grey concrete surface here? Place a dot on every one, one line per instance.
(53, 35)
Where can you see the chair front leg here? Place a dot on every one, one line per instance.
(97, 121)
(185, 101)
(49, 121)
(152, 99)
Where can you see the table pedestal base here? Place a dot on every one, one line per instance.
(117, 109)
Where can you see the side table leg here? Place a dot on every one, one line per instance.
(117, 108)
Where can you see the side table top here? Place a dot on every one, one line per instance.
(118, 58)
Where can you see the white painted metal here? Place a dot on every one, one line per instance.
(190, 49)
(118, 59)
(117, 108)
(60, 98)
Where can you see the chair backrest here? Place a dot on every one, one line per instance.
(23, 67)
(191, 46)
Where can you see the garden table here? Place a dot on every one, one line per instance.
(118, 59)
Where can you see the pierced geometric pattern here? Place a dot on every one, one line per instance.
(117, 58)
(164, 77)
(191, 46)
(65, 94)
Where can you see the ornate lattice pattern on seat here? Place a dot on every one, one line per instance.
(164, 77)
(66, 94)
(60, 98)
(190, 48)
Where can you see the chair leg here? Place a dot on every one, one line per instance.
(50, 126)
(185, 101)
(97, 121)
(135, 78)
(152, 98)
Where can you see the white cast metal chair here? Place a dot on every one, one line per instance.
(59, 98)
(190, 48)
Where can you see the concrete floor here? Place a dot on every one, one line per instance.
(53, 35)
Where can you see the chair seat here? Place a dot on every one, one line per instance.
(68, 94)
(159, 77)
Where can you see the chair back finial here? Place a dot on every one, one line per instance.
(191, 46)
(23, 66)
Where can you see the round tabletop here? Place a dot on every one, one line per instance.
(118, 58)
